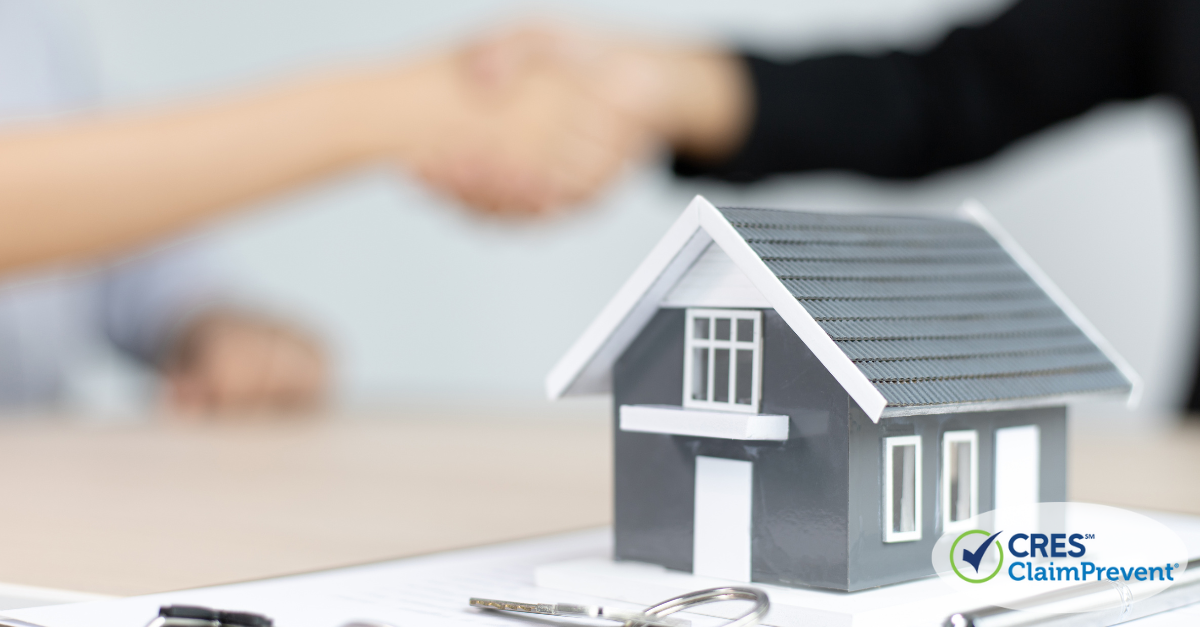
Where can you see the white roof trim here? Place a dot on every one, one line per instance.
(586, 368)
(974, 211)
(856, 384)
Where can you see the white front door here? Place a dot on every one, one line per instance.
(1018, 474)
(722, 533)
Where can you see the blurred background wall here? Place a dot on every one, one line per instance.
(421, 301)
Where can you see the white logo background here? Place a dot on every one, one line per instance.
(1122, 539)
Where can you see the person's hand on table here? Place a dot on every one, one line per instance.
(228, 362)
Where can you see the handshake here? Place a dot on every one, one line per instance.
(520, 123)
(540, 117)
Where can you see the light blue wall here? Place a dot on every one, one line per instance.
(420, 299)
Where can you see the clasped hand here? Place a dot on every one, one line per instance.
(538, 118)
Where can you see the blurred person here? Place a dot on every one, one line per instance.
(167, 309)
(737, 116)
(85, 186)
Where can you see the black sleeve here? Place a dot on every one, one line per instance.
(979, 89)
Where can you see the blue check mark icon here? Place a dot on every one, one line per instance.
(974, 557)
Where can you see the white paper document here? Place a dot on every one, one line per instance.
(417, 592)
(429, 591)
(422, 591)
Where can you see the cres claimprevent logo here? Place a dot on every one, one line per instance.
(971, 556)
(1050, 548)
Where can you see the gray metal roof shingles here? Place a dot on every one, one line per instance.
(932, 310)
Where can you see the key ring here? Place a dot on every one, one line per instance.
(654, 616)
(713, 595)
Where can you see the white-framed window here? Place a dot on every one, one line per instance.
(960, 478)
(902, 488)
(723, 362)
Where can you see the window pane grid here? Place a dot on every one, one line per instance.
(722, 369)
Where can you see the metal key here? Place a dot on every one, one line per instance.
(582, 611)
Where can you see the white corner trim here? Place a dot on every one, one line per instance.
(586, 366)
(974, 211)
(856, 384)
(673, 420)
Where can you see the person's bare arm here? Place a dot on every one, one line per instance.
(95, 184)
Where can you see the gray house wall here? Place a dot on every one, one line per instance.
(875, 563)
(806, 538)
(651, 468)
(821, 488)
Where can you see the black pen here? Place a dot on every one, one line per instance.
(196, 616)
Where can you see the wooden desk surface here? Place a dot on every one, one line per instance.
(144, 508)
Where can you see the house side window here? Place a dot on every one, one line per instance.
(960, 478)
(722, 364)
(901, 488)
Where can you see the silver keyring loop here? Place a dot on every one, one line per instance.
(713, 595)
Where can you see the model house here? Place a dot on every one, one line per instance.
(812, 399)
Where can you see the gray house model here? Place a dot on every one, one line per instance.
(812, 399)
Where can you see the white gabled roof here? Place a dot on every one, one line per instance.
(587, 366)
